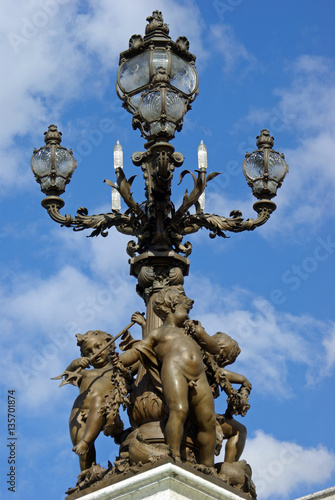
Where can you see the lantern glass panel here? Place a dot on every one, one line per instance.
(160, 59)
(159, 126)
(254, 165)
(183, 75)
(170, 128)
(41, 162)
(46, 184)
(134, 101)
(174, 107)
(60, 183)
(258, 187)
(277, 167)
(134, 73)
(262, 187)
(151, 106)
(64, 162)
(156, 128)
(272, 187)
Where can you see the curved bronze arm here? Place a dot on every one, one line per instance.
(99, 223)
(218, 224)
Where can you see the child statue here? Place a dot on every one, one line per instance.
(86, 420)
(175, 359)
(227, 427)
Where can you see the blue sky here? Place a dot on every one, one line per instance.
(261, 65)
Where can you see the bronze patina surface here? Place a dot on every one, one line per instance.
(167, 381)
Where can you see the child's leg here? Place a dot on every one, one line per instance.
(236, 434)
(77, 428)
(94, 425)
(176, 394)
(202, 412)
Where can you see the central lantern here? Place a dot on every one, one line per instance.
(157, 80)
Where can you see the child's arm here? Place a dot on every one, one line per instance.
(204, 340)
(140, 320)
(76, 366)
(131, 355)
(236, 378)
(127, 339)
(79, 362)
(238, 400)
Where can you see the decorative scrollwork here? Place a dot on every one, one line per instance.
(99, 223)
(235, 223)
(156, 223)
(191, 199)
(132, 248)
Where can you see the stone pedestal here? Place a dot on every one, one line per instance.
(328, 494)
(164, 482)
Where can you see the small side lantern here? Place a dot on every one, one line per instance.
(265, 169)
(52, 164)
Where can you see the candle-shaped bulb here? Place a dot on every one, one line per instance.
(116, 200)
(118, 156)
(202, 156)
(201, 201)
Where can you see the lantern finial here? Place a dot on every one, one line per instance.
(264, 140)
(52, 136)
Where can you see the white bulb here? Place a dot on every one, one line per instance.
(202, 156)
(116, 200)
(118, 156)
(201, 201)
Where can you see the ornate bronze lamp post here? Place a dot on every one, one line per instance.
(157, 81)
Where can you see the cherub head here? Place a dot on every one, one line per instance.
(168, 299)
(229, 349)
(91, 342)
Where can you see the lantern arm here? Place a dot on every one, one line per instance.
(235, 223)
(99, 223)
(102, 222)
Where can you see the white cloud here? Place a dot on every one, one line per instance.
(94, 290)
(234, 53)
(279, 467)
(329, 344)
(104, 256)
(272, 342)
(43, 69)
(44, 313)
(103, 18)
(305, 110)
(55, 52)
(307, 102)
